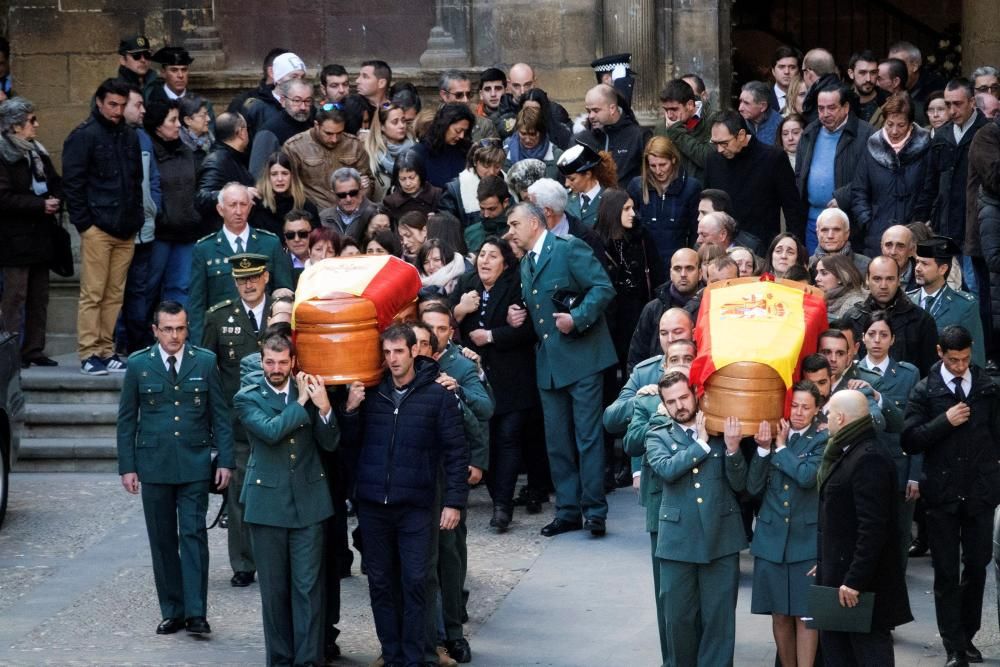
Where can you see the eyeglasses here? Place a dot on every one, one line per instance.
(33, 120)
(460, 96)
(385, 106)
(349, 193)
(142, 55)
(302, 234)
(170, 331)
(992, 88)
(723, 142)
(249, 279)
(300, 100)
(330, 106)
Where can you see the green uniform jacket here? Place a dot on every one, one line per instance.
(477, 404)
(789, 511)
(166, 429)
(895, 386)
(212, 277)
(574, 208)
(700, 518)
(645, 417)
(951, 307)
(618, 415)
(567, 263)
(695, 146)
(285, 484)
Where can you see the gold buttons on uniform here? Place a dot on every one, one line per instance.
(541, 321)
(785, 503)
(534, 291)
(786, 487)
(258, 481)
(544, 336)
(695, 471)
(293, 456)
(177, 434)
(177, 388)
(177, 402)
(786, 519)
(700, 501)
(697, 485)
(291, 440)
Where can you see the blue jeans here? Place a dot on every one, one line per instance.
(969, 277)
(132, 331)
(170, 272)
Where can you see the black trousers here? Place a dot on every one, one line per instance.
(961, 543)
(854, 649)
(506, 432)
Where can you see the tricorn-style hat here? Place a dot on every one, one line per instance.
(938, 247)
(248, 264)
(172, 55)
(577, 159)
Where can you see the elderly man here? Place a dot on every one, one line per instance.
(574, 349)
(685, 269)
(353, 210)
(296, 97)
(862, 72)
(951, 168)
(833, 231)
(686, 125)
(757, 177)
(454, 87)
(919, 83)
(720, 268)
(897, 242)
(227, 163)
(717, 228)
(322, 150)
(761, 119)
(830, 149)
(551, 198)
(211, 270)
(818, 71)
(914, 330)
(988, 105)
(857, 521)
(986, 80)
(626, 139)
(265, 103)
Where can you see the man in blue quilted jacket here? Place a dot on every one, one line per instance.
(407, 427)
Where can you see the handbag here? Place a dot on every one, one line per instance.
(61, 262)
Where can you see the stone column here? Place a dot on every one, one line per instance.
(980, 34)
(630, 27)
(700, 38)
(443, 50)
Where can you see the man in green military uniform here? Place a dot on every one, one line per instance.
(574, 348)
(172, 410)
(211, 271)
(460, 375)
(946, 305)
(701, 532)
(231, 330)
(287, 500)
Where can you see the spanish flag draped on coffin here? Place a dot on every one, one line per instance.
(341, 306)
(752, 335)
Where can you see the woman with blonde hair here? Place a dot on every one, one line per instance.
(280, 191)
(386, 140)
(666, 197)
(796, 96)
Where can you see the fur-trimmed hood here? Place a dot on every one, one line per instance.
(915, 149)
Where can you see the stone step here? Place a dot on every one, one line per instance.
(50, 449)
(209, 59)
(205, 43)
(75, 413)
(76, 431)
(205, 31)
(66, 397)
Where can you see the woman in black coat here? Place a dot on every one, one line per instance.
(894, 183)
(480, 302)
(281, 191)
(178, 223)
(30, 197)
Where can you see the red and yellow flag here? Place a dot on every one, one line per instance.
(772, 323)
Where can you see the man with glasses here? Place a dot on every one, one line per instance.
(172, 410)
(455, 87)
(985, 80)
(134, 56)
(296, 97)
(322, 150)
(353, 210)
(298, 225)
(758, 178)
(212, 264)
(231, 331)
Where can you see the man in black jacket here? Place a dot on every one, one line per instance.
(134, 58)
(914, 330)
(685, 269)
(227, 163)
(857, 519)
(758, 178)
(411, 427)
(102, 183)
(626, 139)
(297, 102)
(837, 128)
(953, 419)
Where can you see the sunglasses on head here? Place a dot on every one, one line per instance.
(330, 106)
(349, 193)
(302, 234)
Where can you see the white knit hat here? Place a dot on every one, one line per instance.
(285, 64)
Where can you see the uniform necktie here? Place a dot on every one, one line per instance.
(531, 261)
(239, 244)
(584, 202)
(795, 438)
(959, 392)
(928, 300)
(876, 370)
(690, 432)
(253, 320)
(172, 361)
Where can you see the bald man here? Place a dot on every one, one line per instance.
(898, 242)
(718, 228)
(607, 111)
(521, 79)
(857, 523)
(685, 269)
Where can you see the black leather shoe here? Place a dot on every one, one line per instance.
(330, 653)
(169, 626)
(500, 522)
(918, 548)
(560, 526)
(43, 361)
(197, 625)
(596, 526)
(242, 579)
(459, 650)
(972, 654)
(956, 660)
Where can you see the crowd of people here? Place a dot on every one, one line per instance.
(563, 263)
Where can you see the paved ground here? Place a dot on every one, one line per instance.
(76, 589)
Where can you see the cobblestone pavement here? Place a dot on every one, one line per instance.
(76, 588)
